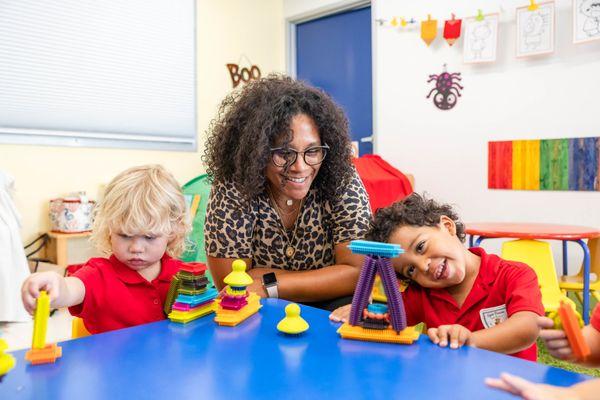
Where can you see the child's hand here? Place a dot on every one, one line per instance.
(30, 291)
(529, 390)
(555, 340)
(341, 314)
(456, 335)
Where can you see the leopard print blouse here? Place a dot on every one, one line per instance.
(238, 229)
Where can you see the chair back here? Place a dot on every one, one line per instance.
(538, 255)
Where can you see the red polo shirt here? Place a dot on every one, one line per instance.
(501, 289)
(117, 296)
(595, 322)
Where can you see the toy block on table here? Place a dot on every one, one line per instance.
(377, 322)
(42, 353)
(570, 325)
(293, 323)
(236, 304)
(7, 361)
(190, 295)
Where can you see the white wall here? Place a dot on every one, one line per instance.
(548, 97)
(553, 96)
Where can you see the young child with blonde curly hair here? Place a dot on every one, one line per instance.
(140, 225)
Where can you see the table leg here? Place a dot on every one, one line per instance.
(564, 254)
(470, 241)
(479, 240)
(586, 280)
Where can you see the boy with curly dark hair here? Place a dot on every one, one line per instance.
(464, 296)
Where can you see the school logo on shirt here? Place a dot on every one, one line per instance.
(492, 316)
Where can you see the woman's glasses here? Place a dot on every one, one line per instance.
(284, 157)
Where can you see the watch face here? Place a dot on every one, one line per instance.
(269, 279)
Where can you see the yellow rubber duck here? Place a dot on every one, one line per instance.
(7, 361)
(238, 276)
(293, 323)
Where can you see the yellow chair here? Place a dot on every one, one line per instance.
(78, 329)
(575, 283)
(538, 255)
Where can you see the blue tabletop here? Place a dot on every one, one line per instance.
(201, 360)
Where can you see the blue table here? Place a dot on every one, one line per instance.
(201, 360)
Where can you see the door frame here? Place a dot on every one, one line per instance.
(332, 9)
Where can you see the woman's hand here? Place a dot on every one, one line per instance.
(30, 291)
(456, 335)
(341, 314)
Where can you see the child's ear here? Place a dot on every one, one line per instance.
(448, 224)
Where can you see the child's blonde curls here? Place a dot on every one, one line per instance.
(143, 200)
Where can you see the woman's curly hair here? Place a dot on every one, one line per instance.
(414, 210)
(250, 121)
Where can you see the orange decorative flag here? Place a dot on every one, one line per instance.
(429, 30)
(452, 30)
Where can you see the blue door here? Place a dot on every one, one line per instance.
(334, 53)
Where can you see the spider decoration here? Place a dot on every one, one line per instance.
(446, 89)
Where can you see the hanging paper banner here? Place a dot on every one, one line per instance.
(428, 30)
(452, 30)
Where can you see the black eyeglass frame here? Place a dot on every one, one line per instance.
(324, 147)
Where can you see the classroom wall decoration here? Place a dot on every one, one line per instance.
(481, 38)
(428, 30)
(546, 164)
(452, 30)
(447, 89)
(586, 20)
(535, 29)
(244, 74)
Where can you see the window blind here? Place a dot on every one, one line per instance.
(108, 73)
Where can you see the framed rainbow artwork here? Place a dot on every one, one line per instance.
(544, 164)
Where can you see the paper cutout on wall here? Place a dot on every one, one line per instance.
(480, 38)
(586, 20)
(452, 30)
(428, 30)
(549, 164)
(535, 30)
(447, 89)
(245, 74)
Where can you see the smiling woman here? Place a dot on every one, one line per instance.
(286, 197)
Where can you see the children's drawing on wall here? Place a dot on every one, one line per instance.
(480, 38)
(586, 20)
(535, 29)
(447, 89)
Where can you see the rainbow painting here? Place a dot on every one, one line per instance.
(544, 164)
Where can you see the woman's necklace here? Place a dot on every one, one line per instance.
(289, 248)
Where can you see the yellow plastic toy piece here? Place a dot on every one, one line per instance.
(293, 323)
(406, 336)
(183, 317)
(78, 329)
(40, 352)
(7, 361)
(238, 276)
(40, 320)
(234, 317)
